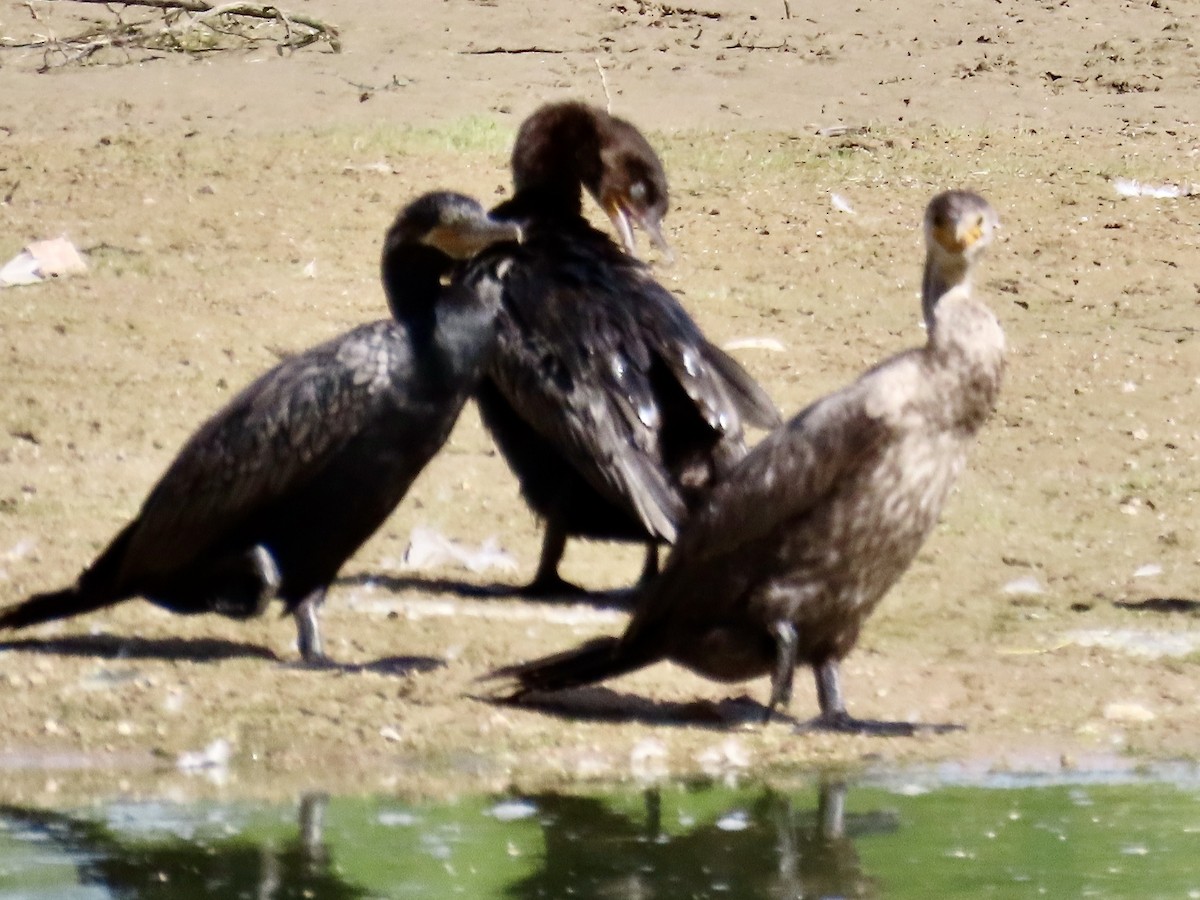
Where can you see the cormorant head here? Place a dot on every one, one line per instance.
(563, 146)
(454, 224)
(632, 187)
(958, 225)
(426, 239)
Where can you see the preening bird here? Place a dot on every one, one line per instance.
(794, 549)
(278, 489)
(609, 404)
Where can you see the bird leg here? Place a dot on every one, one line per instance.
(831, 810)
(547, 582)
(650, 567)
(312, 827)
(308, 628)
(784, 673)
(269, 577)
(833, 715)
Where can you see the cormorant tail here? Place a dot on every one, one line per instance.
(98, 587)
(594, 661)
(53, 605)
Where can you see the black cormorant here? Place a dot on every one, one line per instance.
(275, 492)
(609, 404)
(793, 550)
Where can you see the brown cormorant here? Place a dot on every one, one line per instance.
(609, 404)
(275, 492)
(795, 547)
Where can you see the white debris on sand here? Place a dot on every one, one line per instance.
(429, 549)
(415, 608)
(1025, 586)
(20, 550)
(1149, 570)
(390, 733)
(213, 759)
(754, 343)
(375, 168)
(17, 552)
(41, 260)
(1144, 643)
(1129, 187)
(1128, 711)
(841, 204)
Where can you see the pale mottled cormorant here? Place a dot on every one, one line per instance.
(275, 492)
(795, 547)
(611, 407)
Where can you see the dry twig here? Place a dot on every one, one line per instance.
(177, 30)
(604, 84)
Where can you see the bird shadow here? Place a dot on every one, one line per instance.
(621, 599)
(1161, 605)
(601, 704)
(177, 649)
(109, 646)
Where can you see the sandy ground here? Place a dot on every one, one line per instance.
(231, 205)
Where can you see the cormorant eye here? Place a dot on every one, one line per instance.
(638, 192)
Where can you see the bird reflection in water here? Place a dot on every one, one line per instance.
(129, 864)
(768, 849)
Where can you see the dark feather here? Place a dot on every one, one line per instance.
(610, 405)
(280, 487)
(793, 549)
(591, 662)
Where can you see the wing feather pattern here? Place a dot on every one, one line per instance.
(579, 348)
(279, 432)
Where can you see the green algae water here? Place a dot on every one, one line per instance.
(896, 837)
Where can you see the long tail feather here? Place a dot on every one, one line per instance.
(99, 586)
(50, 606)
(591, 662)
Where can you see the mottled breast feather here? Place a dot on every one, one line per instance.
(821, 518)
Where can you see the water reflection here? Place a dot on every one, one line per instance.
(894, 839)
(764, 848)
(129, 866)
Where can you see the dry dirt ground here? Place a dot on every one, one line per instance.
(231, 204)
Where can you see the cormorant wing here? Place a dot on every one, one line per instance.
(754, 404)
(573, 359)
(274, 436)
(586, 339)
(722, 391)
(787, 474)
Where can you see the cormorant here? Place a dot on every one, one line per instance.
(795, 547)
(609, 404)
(276, 491)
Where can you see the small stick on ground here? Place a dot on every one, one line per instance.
(604, 84)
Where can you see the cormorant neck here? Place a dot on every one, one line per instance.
(412, 276)
(966, 343)
(555, 156)
(943, 273)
